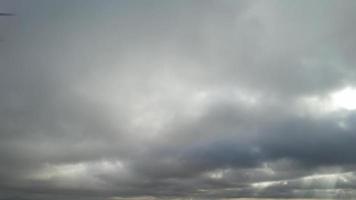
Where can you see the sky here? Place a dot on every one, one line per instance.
(177, 100)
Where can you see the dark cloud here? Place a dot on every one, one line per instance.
(176, 100)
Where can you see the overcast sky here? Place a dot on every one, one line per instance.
(156, 99)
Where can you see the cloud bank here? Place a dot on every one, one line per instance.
(177, 100)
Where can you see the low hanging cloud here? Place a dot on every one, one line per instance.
(177, 100)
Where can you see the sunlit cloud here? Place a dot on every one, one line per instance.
(344, 98)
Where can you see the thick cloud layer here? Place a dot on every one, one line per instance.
(177, 100)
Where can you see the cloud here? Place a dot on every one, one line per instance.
(176, 100)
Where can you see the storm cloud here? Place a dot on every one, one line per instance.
(184, 99)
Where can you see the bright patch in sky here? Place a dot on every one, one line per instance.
(345, 98)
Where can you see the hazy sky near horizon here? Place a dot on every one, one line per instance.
(156, 99)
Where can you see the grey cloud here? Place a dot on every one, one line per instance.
(156, 99)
